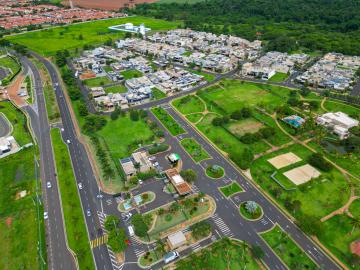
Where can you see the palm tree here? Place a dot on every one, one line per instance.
(355, 222)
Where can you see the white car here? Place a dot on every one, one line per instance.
(99, 196)
(88, 212)
(140, 182)
(80, 185)
(152, 158)
(48, 185)
(46, 215)
(68, 141)
(169, 257)
(62, 129)
(156, 164)
(127, 216)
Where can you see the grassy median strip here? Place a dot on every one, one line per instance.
(194, 149)
(74, 221)
(287, 250)
(231, 189)
(169, 122)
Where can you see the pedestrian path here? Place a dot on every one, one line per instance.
(137, 246)
(196, 247)
(99, 241)
(195, 189)
(222, 226)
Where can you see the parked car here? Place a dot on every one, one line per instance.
(48, 184)
(140, 182)
(152, 158)
(80, 185)
(171, 256)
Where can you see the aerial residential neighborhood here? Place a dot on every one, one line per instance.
(179, 134)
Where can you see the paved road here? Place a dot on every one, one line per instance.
(59, 256)
(4, 126)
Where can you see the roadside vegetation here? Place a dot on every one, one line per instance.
(231, 189)
(74, 219)
(9, 63)
(287, 250)
(170, 124)
(194, 149)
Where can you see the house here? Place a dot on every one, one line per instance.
(338, 122)
(294, 121)
(176, 240)
(181, 186)
(141, 158)
(128, 167)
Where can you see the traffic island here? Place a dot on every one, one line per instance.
(215, 171)
(250, 210)
(137, 201)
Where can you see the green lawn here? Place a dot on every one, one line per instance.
(287, 250)
(336, 106)
(116, 89)
(131, 73)
(98, 81)
(18, 217)
(49, 41)
(18, 121)
(221, 255)
(172, 126)
(231, 189)
(355, 208)
(157, 94)
(74, 221)
(194, 118)
(316, 197)
(230, 95)
(279, 77)
(194, 149)
(9, 63)
(189, 104)
(208, 77)
(49, 93)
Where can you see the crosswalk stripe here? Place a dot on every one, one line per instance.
(99, 241)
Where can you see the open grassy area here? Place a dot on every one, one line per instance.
(279, 77)
(172, 126)
(230, 95)
(74, 219)
(157, 94)
(49, 93)
(189, 104)
(194, 149)
(287, 250)
(18, 121)
(194, 117)
(18, 216)
(207, 76)
(240, 127)
(11, 65)
(221, 255)
(98, 81)
(231, 189)
(131, 73)
(316, 197)
(336, 106)
(49, 41)
(355, 208)
(116, 89)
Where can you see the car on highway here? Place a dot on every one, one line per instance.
(171, 256)
(127, 216)
(62, 129)
(156, 164)
(68, 141)
(99, 196)
(88, 212)
(131, 230)
(46, 215)
(48, 184)
(152, 158)
(80, 185)
(140, 182)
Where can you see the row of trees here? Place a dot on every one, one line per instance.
(117, 238)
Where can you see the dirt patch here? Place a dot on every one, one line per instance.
(284, 160)
(13, 92)
(106, 4)
(8, 221)
(242, 127)
(303, 174)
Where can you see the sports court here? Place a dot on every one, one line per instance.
(302, 174)
(284, 160)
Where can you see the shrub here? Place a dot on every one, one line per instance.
(318, 161)
(140, 225)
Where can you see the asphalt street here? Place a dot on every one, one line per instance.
(59, 256)
(4, 126)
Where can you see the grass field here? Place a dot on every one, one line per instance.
(208, 77)
(116, 89)
(10, 63)
(98, 81)
(240, 127)
(335, 106)
(131, 73)
(221, 255)
(49, 93)
(74, 219)
(194, 118)
(157, 94)
(18, 121)
(231, 189)
(316, 197)
(189, 104)
(278, 77)
(49, 41)
(355, 208)
(194, 149)
(231, 95)
(171, 125)
(287, 250)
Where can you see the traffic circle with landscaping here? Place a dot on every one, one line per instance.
(215, 171)
(251, 210)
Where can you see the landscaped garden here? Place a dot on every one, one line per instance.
(170, 124)
(131, 73)
(189, 104)
(251, 210)
(215, 171)
(224, 254)
(287, 250)
(231, 189)
(137, 201)
(116, 89)
(194, 149)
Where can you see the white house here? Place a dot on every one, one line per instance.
(338, 122)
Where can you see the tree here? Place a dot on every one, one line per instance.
(115, 114)
(174, 207)
(200, 229)
(304, 91)
(317, 160)
(257, 252)
(140, 225)
(236, 115)
(134, 115)
(111, 222)
(246, 112)
(244, 159)
(251, 207)
(217, 121)
(189, 175)
(117, 240)
(355, 222)
(82, 109)
(310, 224)
(267, 132)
